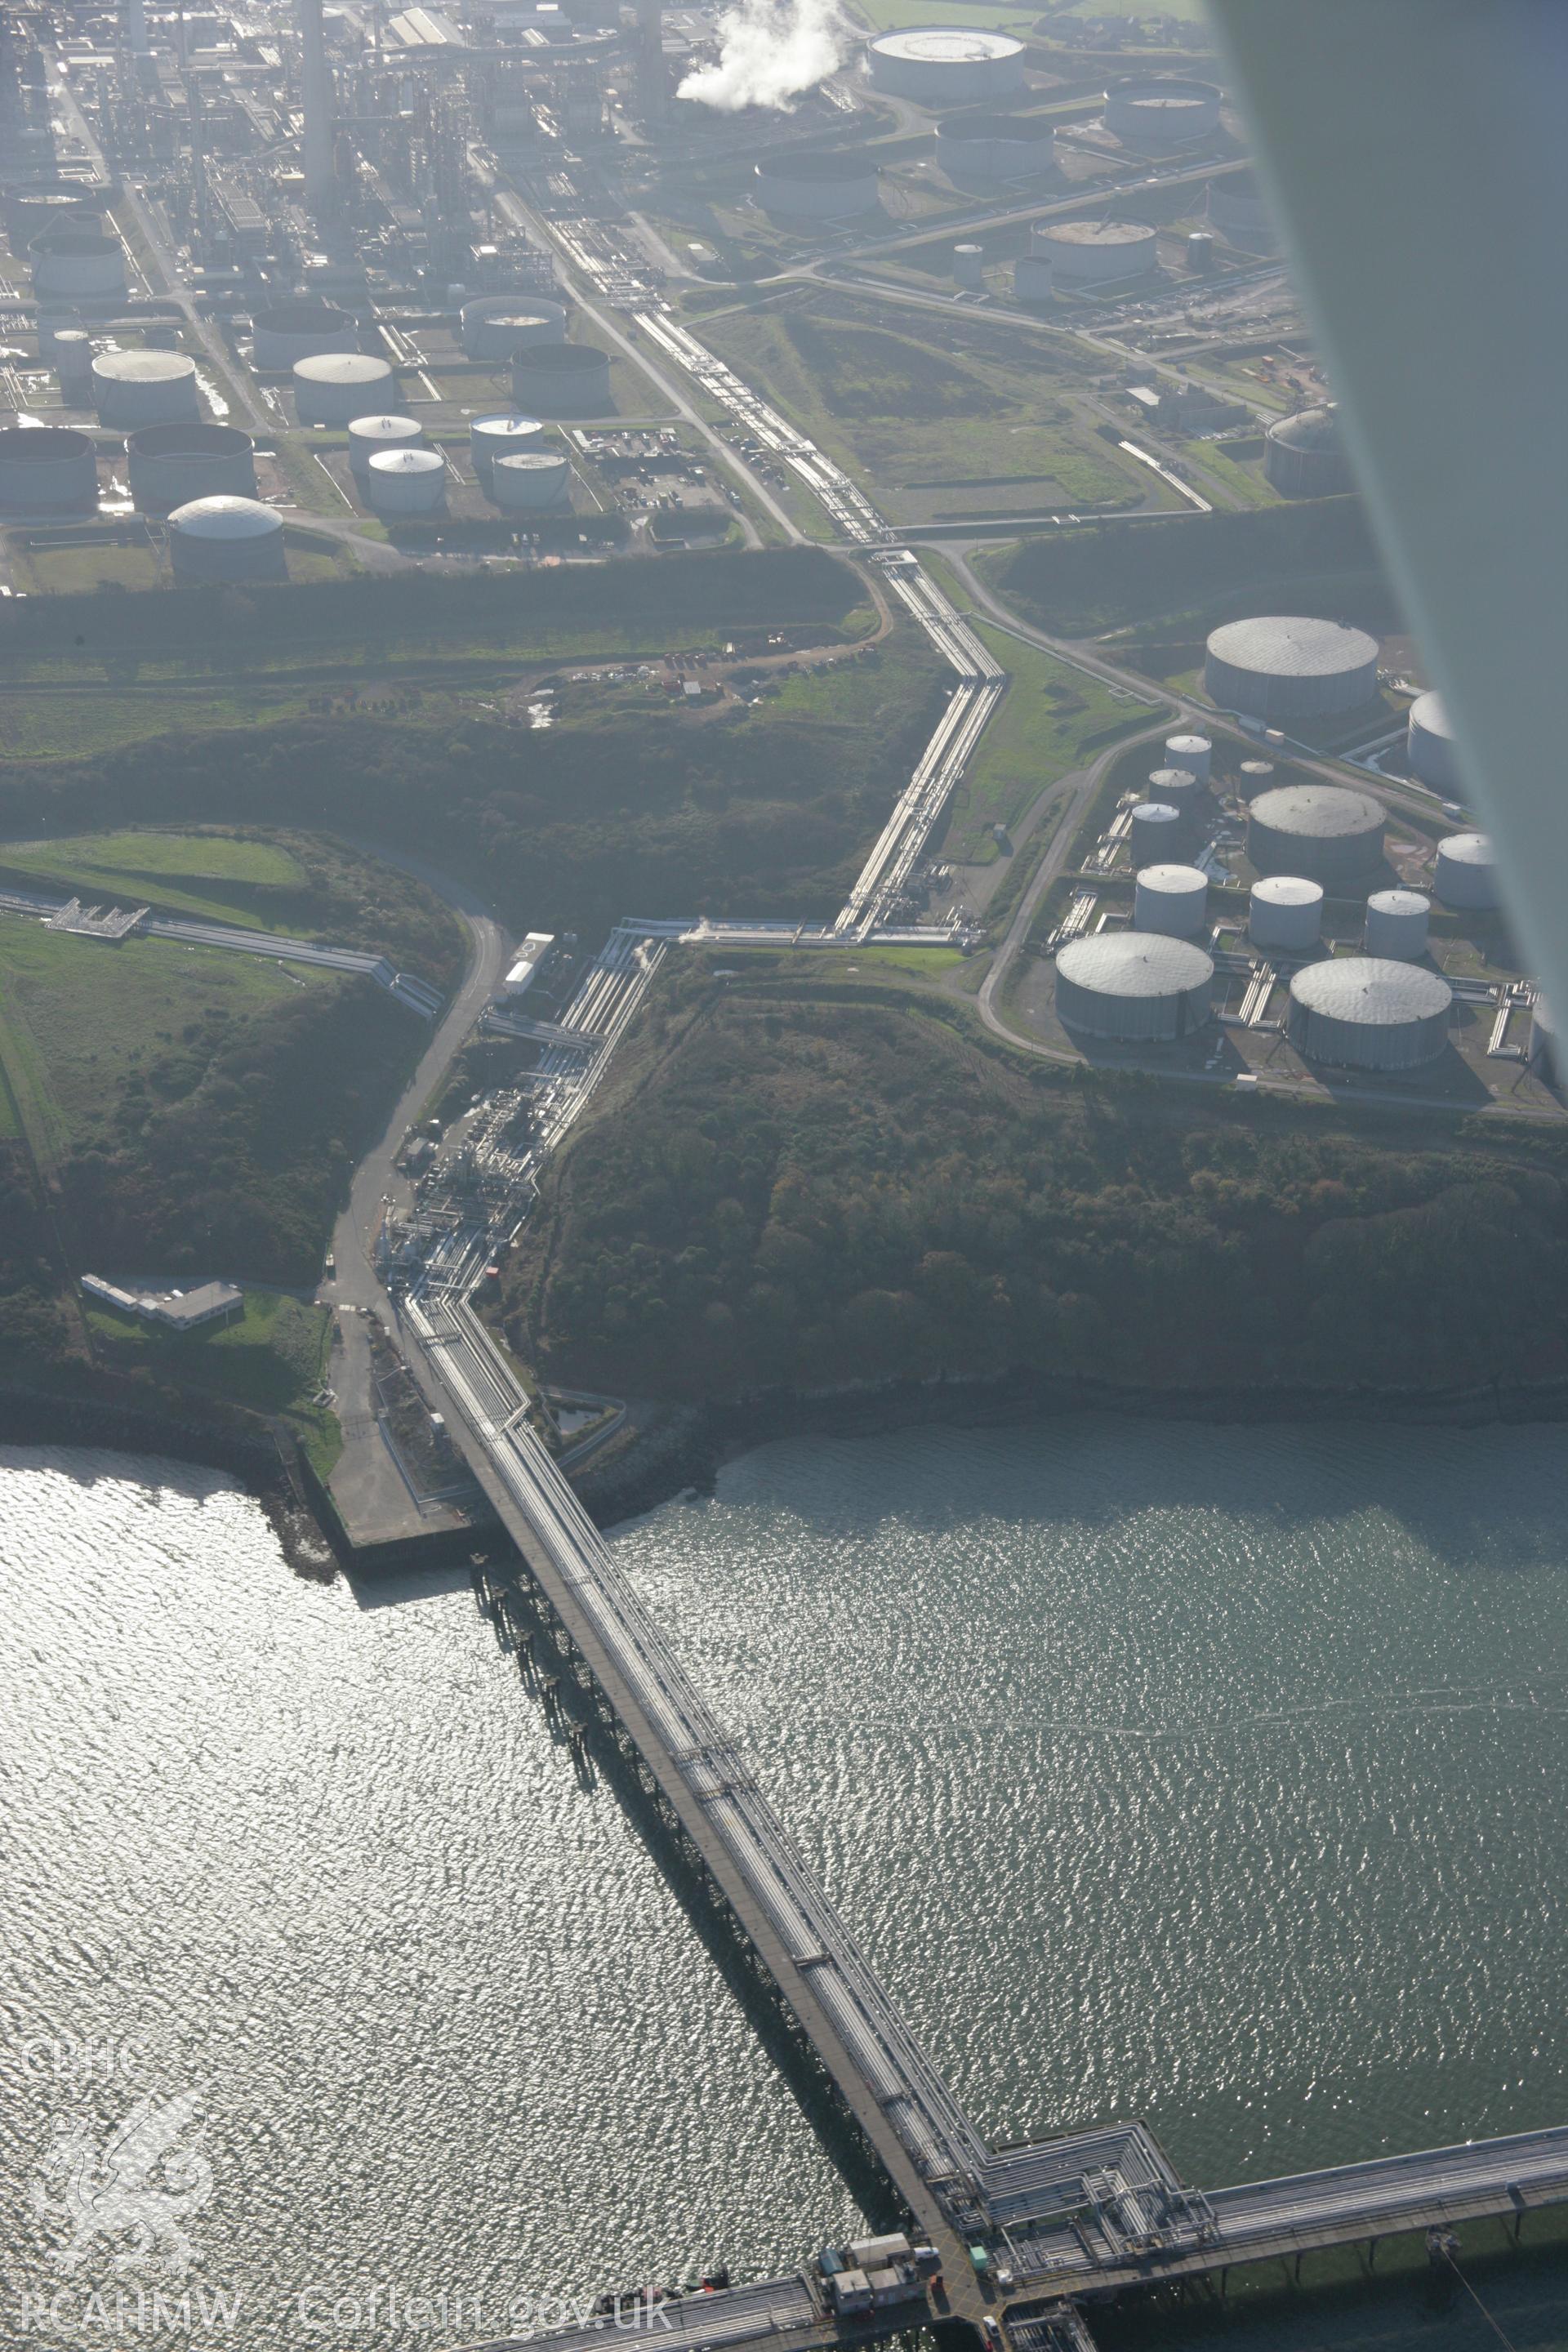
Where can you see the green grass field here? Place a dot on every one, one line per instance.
(172, 869)
(272, 1359)
(78, 1017)
(1053, 718)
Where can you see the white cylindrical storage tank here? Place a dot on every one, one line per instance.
(1170, 898)
(1254, 776)
(1032, 279)
(405, 481)
(1096, 252)
(1195, 753)
(1177, 785)
(816, 186)
(73, 364)
(496, 325)
(1286, 911)
(1133, 987)
(167, 465)
(1363, 1013)
(490, 438)
(531, 482)
(133, 388)
(1326, 832)
(369, 434)
(335, 387)
(1155, 832)
(298, 331)
(47, 469)
(1467, 872)
(225, 539)
(1397, 923)
(968, 266)
(1159, 113)
(1200, 252)
(1303, 455)
(52, 328)
(563, 380)
(986, 148)
(1430, 751)
(1290, 665)
(80, 260)
(945, 65)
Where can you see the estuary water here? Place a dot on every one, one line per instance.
(1216, 1776)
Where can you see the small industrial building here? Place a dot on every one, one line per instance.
(531, 958)
(1157, 113)
(47, 469)
(818, 184)
(1170, 898)
(1089, 253)
(1396, 925)
(1290, 665)
(1133, 987)
(175, 1310)
(225, 539)
(1467, 871)
(1364, 1012)
(946, 64)
(1285, 911)
(1430, 751)
(1304, 456)
(1326, 833)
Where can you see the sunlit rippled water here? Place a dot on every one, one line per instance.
(1216, 1776)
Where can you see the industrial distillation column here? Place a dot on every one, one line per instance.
(318, 105)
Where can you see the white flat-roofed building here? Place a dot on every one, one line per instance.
(534, 952)
(176, 1310)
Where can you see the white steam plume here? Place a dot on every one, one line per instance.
(769, 52)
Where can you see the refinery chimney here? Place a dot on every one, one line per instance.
(134, 17)
(318, 105)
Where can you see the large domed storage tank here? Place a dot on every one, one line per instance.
(135, 388)
(563, 380)
(1290, 665)
(1170, 898)
(531, 482)
(1326, 832)
(986, 148)
(1095, 252)
(1191, 754)
(819, 185)
(80, 260)
(1285, 911)
(1155, 835)
(1159, 112)
(1362, 1013)
(167, 465)
(945, 65)
(335, 387)
(369, 434)
(1396, 925)
(490, 438)
(405, 481)
(1467, 871)
(1238, 212)
(1430, 751)
(225, 539)
(496, 325)
(1133, 987)
(1304, 457)
(299, 331)
(47, 469)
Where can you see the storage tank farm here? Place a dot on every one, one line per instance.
(1158, 113)
(369, 434)
(1155, 835)
(1170, 898)
(1304, 456)
(1396, 925)
(1466, 877)
(1285, 911)
(225, 539)
(946, 64)
(1087, 254)
(505, 436)
(1430, 752)
(1290, 665)
(1133, 987)
(1326, 833)
(47, 469)
(1366, 1013)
